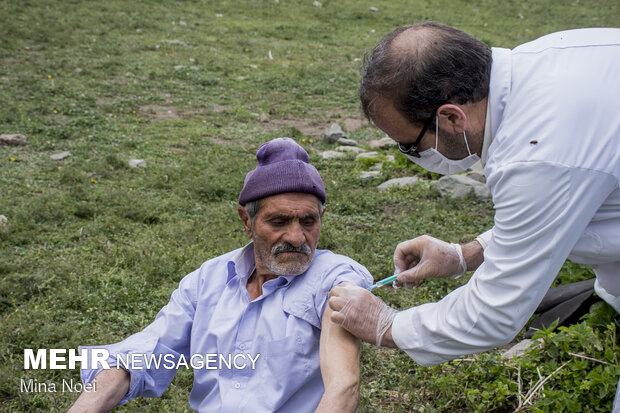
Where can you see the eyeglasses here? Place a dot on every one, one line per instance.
(412, 149)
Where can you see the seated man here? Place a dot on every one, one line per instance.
(264, 302)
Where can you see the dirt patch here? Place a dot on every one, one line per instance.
(306, 127)
(104, 101)
(160, 113)
(220, 108)
(219, 141)
(353, 124)
(392, 210)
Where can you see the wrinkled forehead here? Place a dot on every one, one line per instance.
(292, 204)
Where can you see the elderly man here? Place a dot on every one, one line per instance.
(543, 118)
(256, 319)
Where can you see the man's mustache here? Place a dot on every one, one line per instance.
(286, 247)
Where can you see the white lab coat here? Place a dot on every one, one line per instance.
(553, 169)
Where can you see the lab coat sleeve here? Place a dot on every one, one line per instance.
(484, 239)
(541, 211)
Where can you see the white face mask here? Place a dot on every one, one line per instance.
(434, 161)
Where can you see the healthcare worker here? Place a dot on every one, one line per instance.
(544, 119)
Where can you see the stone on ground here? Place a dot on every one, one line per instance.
(137, 163)
(60, 156)
(381, 143)
(406, 181)
(13, 139)
(346, 142)
(333, 133)
(4, 223)
(355, 149)
(460, 186)
(367, 155)
(369, 174)
(332, 154)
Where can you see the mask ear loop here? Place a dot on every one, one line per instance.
(436, 130)
(466, 144)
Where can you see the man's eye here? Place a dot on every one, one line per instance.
(308, 221)
(278, 222)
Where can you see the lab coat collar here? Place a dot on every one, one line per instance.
(499, 92)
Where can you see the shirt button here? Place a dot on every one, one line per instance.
(242, 346)
(237, 385)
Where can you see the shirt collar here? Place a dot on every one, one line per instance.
(499, 92)
(488, 135)
(242, 264)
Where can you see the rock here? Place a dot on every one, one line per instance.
(179, 67)
(382, 143)
(15, 140)
(175, 41)
(60, 156)
(346, 142)
(263, 118)
(356, 149)
(333, 133)
(332, 154)
(406, 181)
(367, 155)
(135, 163)
(390, 158)
(460, 186)
(78, 70)
(476, 176)
(373, 9)
(369, 174)
(519, 349)
(4, 224)
(317, 4)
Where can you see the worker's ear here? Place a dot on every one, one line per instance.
(452, 118)
(323, 212)
(245, 220)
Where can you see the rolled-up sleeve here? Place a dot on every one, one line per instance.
(168, 335)
(541, 211)
(351, 272)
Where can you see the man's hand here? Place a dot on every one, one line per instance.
(428, 257)
(362, 314)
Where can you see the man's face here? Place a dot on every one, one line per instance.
(387, 118)
(285, 232)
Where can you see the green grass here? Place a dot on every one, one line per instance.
(95, 248)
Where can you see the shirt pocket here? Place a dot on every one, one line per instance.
(287, 364)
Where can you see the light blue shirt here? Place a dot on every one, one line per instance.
(211, 313)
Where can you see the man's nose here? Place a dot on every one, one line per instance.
(295, 234)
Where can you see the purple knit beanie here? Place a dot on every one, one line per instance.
(282, 167)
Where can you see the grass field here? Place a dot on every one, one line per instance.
(93, 248)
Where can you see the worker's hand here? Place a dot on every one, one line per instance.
(362, 314)
(427, 257)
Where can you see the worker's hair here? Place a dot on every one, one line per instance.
(252, 208)
(438, 64)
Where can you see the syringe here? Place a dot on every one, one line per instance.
(383, 282)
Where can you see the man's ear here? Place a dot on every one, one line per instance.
(452, 118)
(245, 220)
(323, 213)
